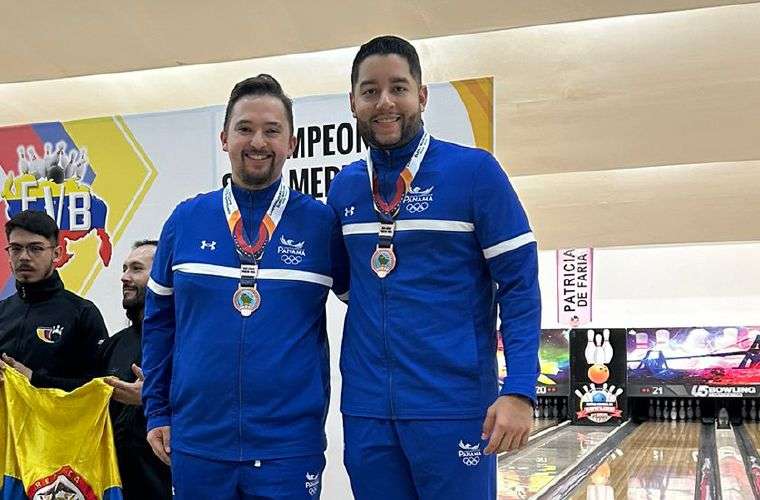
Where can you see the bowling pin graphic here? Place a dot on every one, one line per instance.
(606, 346)
(23, 163)
(589, 352)
(598, 351)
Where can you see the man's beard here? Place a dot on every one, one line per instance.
(258, 179)
(48, 272)
(409, 128)
(134, 306)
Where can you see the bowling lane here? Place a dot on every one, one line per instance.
(526, 472)
(734, 484)
(658, 461)
(540, 424)
(753, 429)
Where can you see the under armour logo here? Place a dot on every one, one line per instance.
(211, 245)
(348, 211)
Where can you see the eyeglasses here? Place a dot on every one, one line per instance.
(34, 249)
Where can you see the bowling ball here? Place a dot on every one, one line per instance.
(599, 397)
(56, 174)
(598, 373)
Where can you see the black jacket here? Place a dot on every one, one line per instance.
(52, 331)
(143, 475)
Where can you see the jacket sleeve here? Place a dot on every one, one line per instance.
(92, 329)
(510, 250)
(338, 253)
(158, 331)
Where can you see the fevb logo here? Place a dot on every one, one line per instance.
(90, 176)
(54, 183)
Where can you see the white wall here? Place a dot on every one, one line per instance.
(663, 286)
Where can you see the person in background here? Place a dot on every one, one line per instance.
(47, 333)
(143, 475)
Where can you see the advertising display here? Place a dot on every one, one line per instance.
(598, 376)
(554, 358)
(722, 361)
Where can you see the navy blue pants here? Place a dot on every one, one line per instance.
(418, 459)
(281, 479)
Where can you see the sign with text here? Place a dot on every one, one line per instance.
(574, 286)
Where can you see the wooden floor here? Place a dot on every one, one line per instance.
(658, 457)
(753, 429)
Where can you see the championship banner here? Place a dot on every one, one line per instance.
(113, 180)
(460, 112)
(575, 281)
(56, 444)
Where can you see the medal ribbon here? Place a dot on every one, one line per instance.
(387, 211)
(250, 254)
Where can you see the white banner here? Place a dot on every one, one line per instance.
(575, 286)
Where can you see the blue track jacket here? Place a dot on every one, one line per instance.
(421, 343)
(235, 388)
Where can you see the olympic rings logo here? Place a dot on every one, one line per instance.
(470, 461)
(293, 260)
(414, 208)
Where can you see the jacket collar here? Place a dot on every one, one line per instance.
(396, 158)
(247, 198)
(40, 290)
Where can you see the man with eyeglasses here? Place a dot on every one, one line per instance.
(47, 333)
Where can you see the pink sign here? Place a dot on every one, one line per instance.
(574, 286)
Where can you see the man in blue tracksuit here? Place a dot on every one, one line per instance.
(437, 239)
(235, 351)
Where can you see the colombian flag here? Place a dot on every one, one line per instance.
(56, 444)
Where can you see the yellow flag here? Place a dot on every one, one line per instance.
(56, 444)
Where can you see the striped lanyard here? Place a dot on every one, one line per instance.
(383, 260)
(250, 254)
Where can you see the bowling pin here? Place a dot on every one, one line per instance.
(681, 410)
(590, 348)
(553, 408)
(651, 408)
(545, 412)
(23, 163)
(606, 346)
(673, 411)
(689, 410)
(599, 356)
(658, 410)
(697, 410)
(598, 353)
